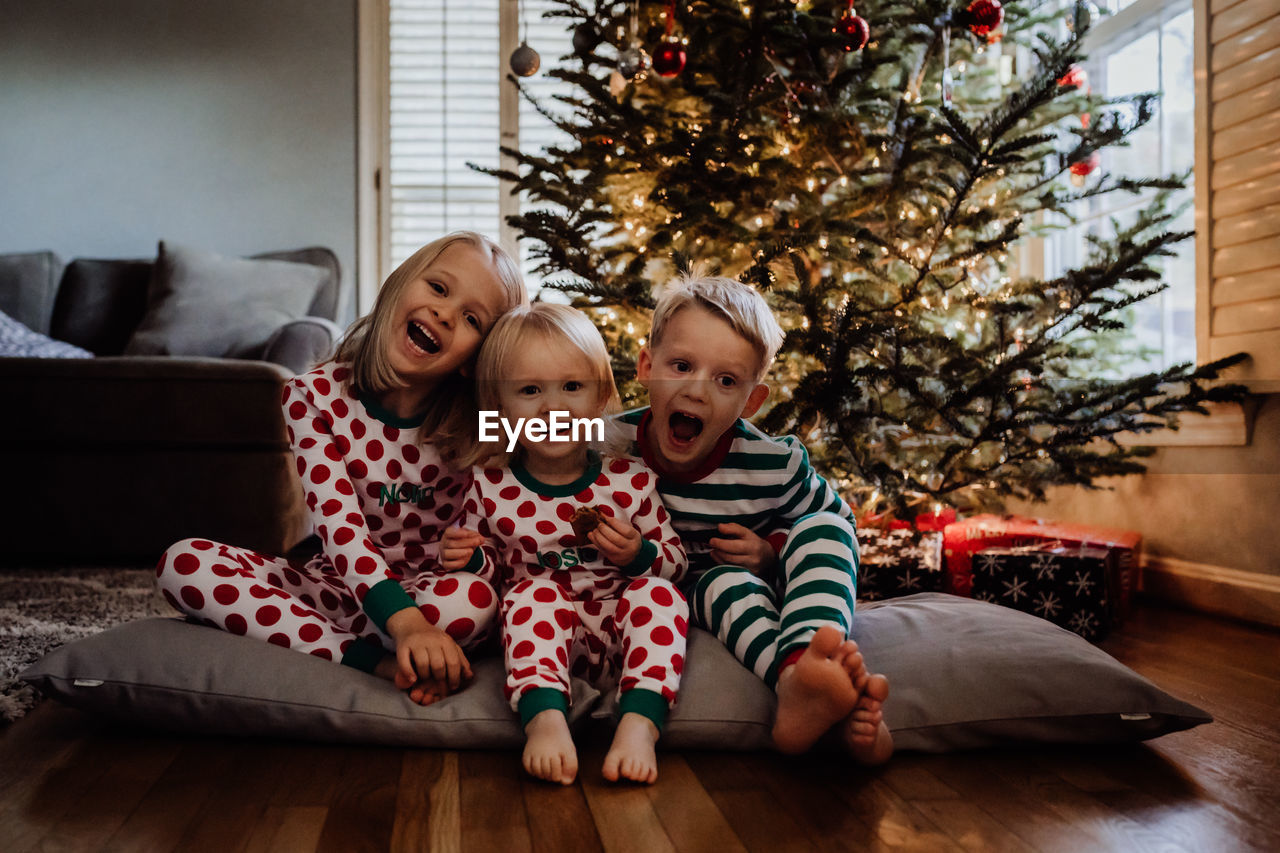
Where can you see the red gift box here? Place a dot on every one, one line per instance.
(961, 540)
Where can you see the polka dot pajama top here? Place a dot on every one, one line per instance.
(379, 499)
(566, 610)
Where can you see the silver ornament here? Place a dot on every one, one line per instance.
(525, 60)
(1083, 17)
(633, 62)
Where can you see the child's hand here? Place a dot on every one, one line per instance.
(739, 546)
(425, 652)
(457, 544)
(619, 541)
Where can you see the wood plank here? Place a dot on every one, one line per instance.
(228, 819)
(1217, 6)
(1246, 136)
(1247, 317)
(1244, 76)
(1246, 287)
(491, 804)
(1225, 425)
(747, 804)
(1237, 109)
(1242, 47)
(427, 803)
(1247, 257)
(1263, 222)
(287, 828)
(814, 789)
(1247, 196)
(1264, 351)
(1259, 163)
(623, 813)
(362, 813)
(1240, 17)
(559, 817)
(692, 821)
(163, 815)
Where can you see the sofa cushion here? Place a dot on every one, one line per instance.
(100, 303)
(204, 304)
(28, 283)
(964, 674)
(326, 302)
(18, 341)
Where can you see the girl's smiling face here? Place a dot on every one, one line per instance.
(442, 316)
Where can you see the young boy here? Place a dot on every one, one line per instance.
(772, 548)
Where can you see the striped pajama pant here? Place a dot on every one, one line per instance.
(817, 585)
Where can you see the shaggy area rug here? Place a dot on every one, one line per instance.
(40, 609)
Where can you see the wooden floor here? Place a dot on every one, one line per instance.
(69, 782)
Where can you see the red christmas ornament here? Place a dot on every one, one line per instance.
(1081, 169)
(984, 16)
(854, 28)
(1075, 76)
(669, 58)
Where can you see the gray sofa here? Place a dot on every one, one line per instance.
(114, 457)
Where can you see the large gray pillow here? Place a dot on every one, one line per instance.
(204, 304)
(964, 674)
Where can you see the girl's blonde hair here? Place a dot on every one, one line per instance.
(560, 326)
(450, 421)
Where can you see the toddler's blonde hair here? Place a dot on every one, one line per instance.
(559, 326)
(450, 422)
(740, 305)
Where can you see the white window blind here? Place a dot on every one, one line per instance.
(447, 68)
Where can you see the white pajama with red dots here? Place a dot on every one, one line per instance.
(379, 499)
(565, 610)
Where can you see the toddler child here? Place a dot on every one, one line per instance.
(584, 549)
(773, 550)
(373, 432)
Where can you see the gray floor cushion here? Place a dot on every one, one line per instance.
(963, 674)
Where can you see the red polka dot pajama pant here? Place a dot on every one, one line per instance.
(636, 641)
(308, 607)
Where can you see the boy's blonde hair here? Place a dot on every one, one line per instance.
(740, 305)
(544, 322)
(450, 421)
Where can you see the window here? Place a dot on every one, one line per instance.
(450, 104)
(1146, 47)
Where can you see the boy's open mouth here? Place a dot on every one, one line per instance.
(684, 428)
(422, 339)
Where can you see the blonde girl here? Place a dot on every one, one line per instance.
(584, 551)
(376, 434)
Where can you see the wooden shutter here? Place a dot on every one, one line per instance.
(1238, 183)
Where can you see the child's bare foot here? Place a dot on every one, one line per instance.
(548, 750)
(631, 755)
(816, 692)
(865, 735)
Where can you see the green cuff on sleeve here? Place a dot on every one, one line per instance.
(646, 703)
(541, 699)
(363, 655)
(476, 563)
(383, 599)
(643, 560)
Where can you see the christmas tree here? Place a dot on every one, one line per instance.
(874, 178)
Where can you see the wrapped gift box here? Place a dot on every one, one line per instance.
(898, 561)
(963, 539)
(1068, 586)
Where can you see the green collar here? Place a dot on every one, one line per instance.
(391, 419)
(548, 490)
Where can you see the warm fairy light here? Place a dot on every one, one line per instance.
(875, 161)
(759, 221)
(822, 241)
(786, 149)
(637, 200)
(811, 183)
(629, 225)
(844, 180)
